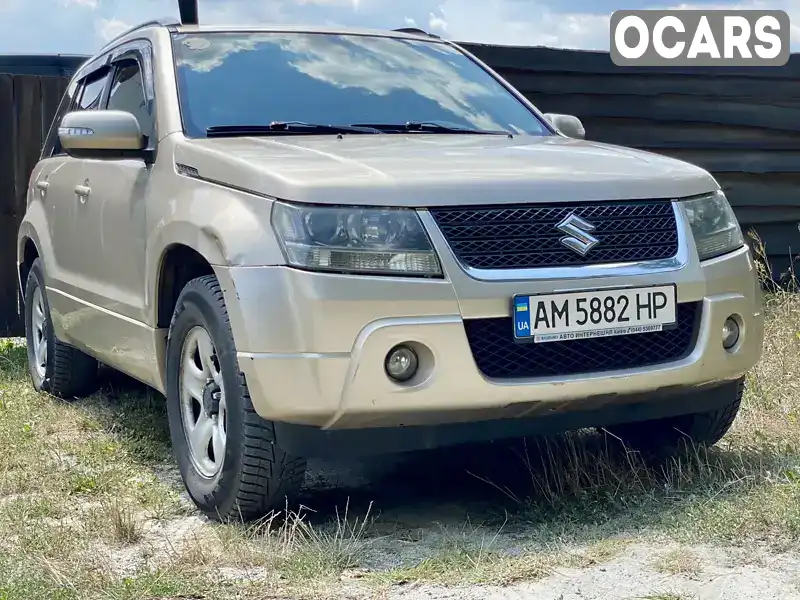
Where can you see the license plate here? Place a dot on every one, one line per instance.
(595, 313)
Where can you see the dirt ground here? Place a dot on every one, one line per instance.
(418, 497)
(429, 500)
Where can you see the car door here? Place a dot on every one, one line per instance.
(110, 226)
(54, 182)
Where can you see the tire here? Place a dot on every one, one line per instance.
(63, 371)
(253, 475)
(662, 438)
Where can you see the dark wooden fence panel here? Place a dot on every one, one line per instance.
(27, 106)
(742, 124)
(8, 218)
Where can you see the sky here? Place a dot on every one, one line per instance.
(82, 26)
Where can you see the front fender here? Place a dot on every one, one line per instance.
(227, 227)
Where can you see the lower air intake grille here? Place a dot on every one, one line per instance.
(498, 356)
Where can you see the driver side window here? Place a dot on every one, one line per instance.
(127, 93)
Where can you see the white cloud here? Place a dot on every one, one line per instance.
(437, 22)
(87, 3)
(551, 23)
(532, 23)
(345, 3)
(211, 53)
(62, 24)
(108, 29)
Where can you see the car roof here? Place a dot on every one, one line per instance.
(300, 28)
(177, 27)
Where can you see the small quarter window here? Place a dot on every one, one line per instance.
(83, 94)
(92, 93)
(52, 145)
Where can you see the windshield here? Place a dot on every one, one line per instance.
(247, 79)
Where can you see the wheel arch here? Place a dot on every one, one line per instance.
(29, 249)
(28, 254)
(178, 265)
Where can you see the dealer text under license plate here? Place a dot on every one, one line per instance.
(581, 315)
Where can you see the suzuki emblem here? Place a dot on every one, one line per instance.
(578, 233)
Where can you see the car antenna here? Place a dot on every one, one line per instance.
(188, 11)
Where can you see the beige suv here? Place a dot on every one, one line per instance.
(323, 242)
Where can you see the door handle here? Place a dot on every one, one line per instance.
(83, 192)
(42, 186)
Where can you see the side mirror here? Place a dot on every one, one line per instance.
(569, 125)
(101, 133)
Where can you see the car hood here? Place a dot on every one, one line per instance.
(438, 170)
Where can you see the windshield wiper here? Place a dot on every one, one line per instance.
(428, 127)
(285, 127)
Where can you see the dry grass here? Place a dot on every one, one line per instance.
(667, 596)
(86, 510)
(472, 556)
(679, 561)
(126, 527)
(602, 552)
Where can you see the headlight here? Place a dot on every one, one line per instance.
(357, 240)
(714, 225)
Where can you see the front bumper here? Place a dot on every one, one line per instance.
(312, 345)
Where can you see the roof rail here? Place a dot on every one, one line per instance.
(418, 31)
(165, 22)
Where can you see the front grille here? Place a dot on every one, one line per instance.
(498, 356)
(525, 236)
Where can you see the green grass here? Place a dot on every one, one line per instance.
(86, 511)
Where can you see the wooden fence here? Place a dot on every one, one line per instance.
(27, 106)
(741, 124)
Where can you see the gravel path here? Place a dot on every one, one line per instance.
(724, 576)
(657, 571)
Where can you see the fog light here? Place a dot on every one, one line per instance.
(401, 363)
(730, 333)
